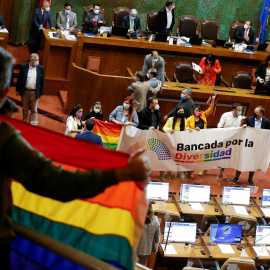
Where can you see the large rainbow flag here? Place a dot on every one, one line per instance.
(109, 132)
(107, 226)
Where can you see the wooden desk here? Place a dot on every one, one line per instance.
(258, 203)
(57, 55)
(4, 39)
(119, 53)
(229, 209)
(166, 207)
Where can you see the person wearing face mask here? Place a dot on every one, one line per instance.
(125, 115)
(198, 120)
(66, 19)
(74, 122)
(165, 18)
(132, 21)
(175, 124)
(93, 19)
(150, 116)
(210, 67)
(186, 101)
(41, 17)
(151, 77)
(153, 60)
(30, 86)
(245, 34)
(257, 120)
(262, 75)
(95, 112)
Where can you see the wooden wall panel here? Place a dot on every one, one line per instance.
(6, 10)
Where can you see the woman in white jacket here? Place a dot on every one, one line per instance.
(74, 122)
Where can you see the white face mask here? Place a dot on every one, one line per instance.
(132, 18)
(246, 26)
(96, 110)
(96, 11)
(36, 63)
(173, 7)
(67, 11)
(47, 9)
(126, 106)
(156, 107)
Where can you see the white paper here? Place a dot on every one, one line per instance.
(151, 38)
(169, 249)
(179, 41)
(240, 210)
(51, 35)
(266, 211)
(104, 29)
(261, 251)
(4, 30)
(186, 39)
(196, 206)
(226, 248)
(251, 52)
(268, 248)
(71, 37)
(196, 67)
(171, 41)
(243, 253)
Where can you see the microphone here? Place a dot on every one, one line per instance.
(167, 218)
(212, 244)
(111, 72)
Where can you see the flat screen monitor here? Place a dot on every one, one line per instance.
(157, 191)
(180, 232)
(195, 193)
(266, 197)
(262, 235)
(236, 195)
(225, 233)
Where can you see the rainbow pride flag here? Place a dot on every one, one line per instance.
(107, 227)
(109, 132)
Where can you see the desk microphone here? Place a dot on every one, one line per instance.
(111, 72)
(218, 236)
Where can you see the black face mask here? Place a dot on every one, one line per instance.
(255, 115)
(181, 114)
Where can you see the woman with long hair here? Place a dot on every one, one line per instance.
(262, 75)
(125, 114)
(149, 238)
(74, 122)
(95, 112)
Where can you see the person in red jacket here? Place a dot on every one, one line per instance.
(210, 67)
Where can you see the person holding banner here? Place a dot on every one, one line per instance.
(257, 120)
(210, 67)
(175, 124)
(198, 120)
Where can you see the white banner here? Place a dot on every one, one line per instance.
(243, 149)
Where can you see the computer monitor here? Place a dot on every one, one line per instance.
(195, 193)
(236, 195)
(262, 235)
(157, 191)
(265, 197)
(180, 232)
(225, 233)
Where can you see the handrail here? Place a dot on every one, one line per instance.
(65, 251)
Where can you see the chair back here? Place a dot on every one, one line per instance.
(118, 15)
(242, 80)
(239, 264)
(248, 223)
(88, 9)
(209, 29)
(183, 73)
(93, 63)
(151, 21)
(187, 26)
(239, 20)
(233, 28)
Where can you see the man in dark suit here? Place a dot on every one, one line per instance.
(2, 24)
(255, 121)
(88, 135)
(132, 21)
(165, 18)
(150, 116)
(30, 86)
(245, 34)
(94, 19)
(40, 18)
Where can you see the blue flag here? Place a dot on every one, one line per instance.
(264, 20)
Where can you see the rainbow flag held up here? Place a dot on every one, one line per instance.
(109, 132)
(107, 227)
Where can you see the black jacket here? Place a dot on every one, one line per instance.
(2, 24)
(137, 23)
(250, 121)
(188, 107)
(22, 78)
(161, 20)
(145, 118)
(260, 72)
(239, 35)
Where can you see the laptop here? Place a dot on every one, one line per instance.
(195, 41)
(262, 47)
(161, 37)
(157, 191)
(145, 34)
(195, 193)
(220, 42)
(262, 235)
(236, 195)
(119, 31)
(265, 197)
(225, 233)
